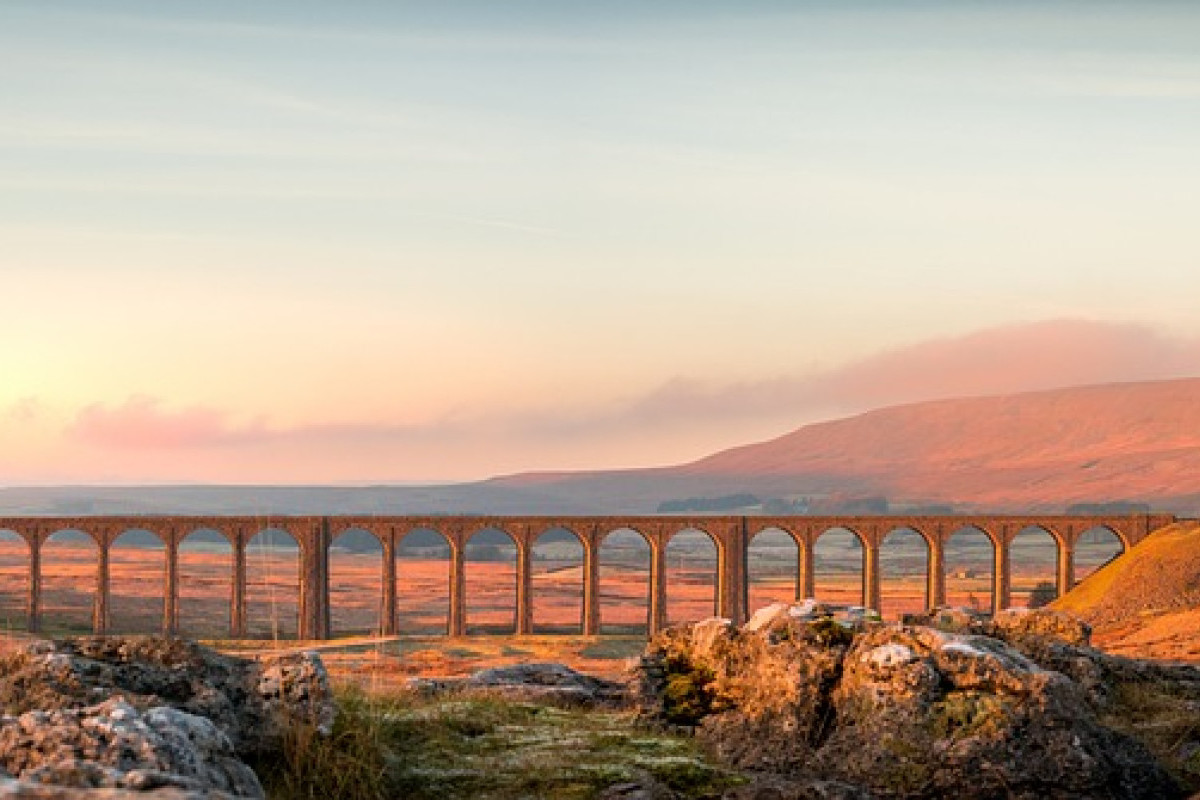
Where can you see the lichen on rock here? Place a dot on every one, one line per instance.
(150, 713)
(906, 710)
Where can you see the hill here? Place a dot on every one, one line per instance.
(1043, 451)
(1147, 603)
(1034, 451)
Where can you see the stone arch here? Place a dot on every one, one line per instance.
(14, 581)
(205, 564)
(772, 574)
(904, 571)
(273, 562)
(970, 564)
(355, 582)
(137, 565)
(1033, 559)
(423, 561)
(839, 554)
(69, 558)
(1095, 548)
(557, 558)
(624, 557)
(490, 561)
(693, 557)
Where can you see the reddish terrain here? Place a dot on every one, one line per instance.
(1043, 450)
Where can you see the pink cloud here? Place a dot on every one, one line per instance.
(1005, 360)
(142, 423)
(682, 419)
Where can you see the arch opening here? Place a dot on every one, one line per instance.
(273, 585)
(1033, 559)
(205, 603)
(423, 583)
(1096, 548)
(137, 562)
(491, 577)
(691, 558)
(904, 573)
(68, 559)
(771, 568)
(14, 581)
(838, 555)
(970, 562)
(624, 561)
(355, 583)
(557, 565)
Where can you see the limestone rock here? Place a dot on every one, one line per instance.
(158, 716)
(251, 701)
(900, 710)
(113, 745)
(22, 790)
(1023, 623)
(549, 681)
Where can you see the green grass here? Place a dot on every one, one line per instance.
(1164, 721)
(479, 747)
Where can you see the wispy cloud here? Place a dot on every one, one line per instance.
(1004, 360)
(1029, 357)
(143, 423)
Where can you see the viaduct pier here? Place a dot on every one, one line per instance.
(731, 536)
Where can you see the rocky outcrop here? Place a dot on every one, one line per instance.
(907, 710)
(113, 745)
(150, 714)
(547, 682)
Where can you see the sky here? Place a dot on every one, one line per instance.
(409, 242)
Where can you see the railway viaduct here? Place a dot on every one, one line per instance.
(731, 535)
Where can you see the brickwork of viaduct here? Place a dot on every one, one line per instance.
(731, 535)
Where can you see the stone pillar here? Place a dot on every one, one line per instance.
(100, 601)
(1001, 577)
(314, 583)
(806, 574)
(731, 574)
(871, 578)
(1066, 567)
(935, 590)
(458, 589)
(35, 585)
(387, 610)
(658, 587)
(171, 589)
(524, 586)
(237, 604)
(591, 589)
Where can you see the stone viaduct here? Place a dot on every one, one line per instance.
(731, 536)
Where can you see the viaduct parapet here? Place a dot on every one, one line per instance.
(730, 534)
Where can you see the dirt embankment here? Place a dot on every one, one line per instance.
(1146, 603)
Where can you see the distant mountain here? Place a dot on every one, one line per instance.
(1037, 451)
(1044, 451)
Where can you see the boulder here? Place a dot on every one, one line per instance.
(155, 715)
(550, 681)
(1026, 623)
(841, 700)
(252, 701)
(113, 745)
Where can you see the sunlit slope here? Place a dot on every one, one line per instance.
(1148, 601)
(1040, 450)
